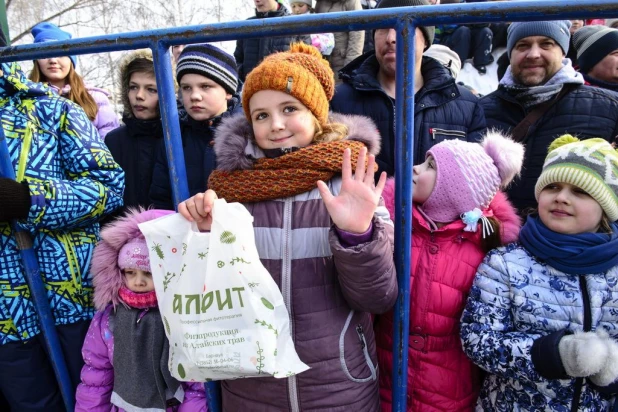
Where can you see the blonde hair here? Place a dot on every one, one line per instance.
(78, 93)
(330, 132)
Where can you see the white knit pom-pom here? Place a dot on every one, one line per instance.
(508, 156)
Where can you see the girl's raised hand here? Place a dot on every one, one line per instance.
(352, 210)
(198, 209)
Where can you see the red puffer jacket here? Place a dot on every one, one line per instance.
(444, 263)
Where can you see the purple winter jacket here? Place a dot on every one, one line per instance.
(330, 291)
(106, 119)
(95, 390)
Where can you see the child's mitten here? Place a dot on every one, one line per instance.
(583, 353)
(609, 372)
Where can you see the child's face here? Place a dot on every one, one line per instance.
(138, 280)
(567, 209)
(143, 96)
(55, 69)
(203, 98)
(280, 120)
(299, 8)
(423, 180)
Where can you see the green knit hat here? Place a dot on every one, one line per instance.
(591, 165)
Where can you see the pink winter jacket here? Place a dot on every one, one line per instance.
(444, 263)
(95, 390)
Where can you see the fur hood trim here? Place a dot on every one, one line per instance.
(503, 210)
(236, 149)
(107, 277)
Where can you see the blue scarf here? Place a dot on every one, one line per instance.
(580, 254)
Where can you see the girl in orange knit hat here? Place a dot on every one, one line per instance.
(322, 232)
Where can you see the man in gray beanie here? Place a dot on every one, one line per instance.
(443, 110)
(541, 96)
(597, 55)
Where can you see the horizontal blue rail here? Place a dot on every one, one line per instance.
(405, 20)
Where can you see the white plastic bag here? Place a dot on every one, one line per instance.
(223, 313)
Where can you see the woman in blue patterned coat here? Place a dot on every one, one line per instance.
(542, 315)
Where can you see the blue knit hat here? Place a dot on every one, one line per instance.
(209, 61)
(46, 31)
(557, 30)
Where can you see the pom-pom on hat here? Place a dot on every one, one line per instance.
(300, 72)
(468, 175)
(46, 31)
(591, 165)
(208, 61)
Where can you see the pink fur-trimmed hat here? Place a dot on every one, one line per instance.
(107, 264)
(468, 175)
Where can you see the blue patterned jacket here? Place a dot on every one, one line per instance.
(73, 181)
(516, 300)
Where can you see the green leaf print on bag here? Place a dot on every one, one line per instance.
(268, 304)
(259, 358)
(227, 237)
(158, 250)
(181, 371)
(167, 326)
(269, 326)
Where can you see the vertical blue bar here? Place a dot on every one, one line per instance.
(38, 291)
(404, 158)
(175, 157)
(169, 118)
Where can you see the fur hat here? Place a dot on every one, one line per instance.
(468, 175)
(106, 269)
(591, 165)
(557, 30)
(429, 32)
(593, 43)
(46, 31)
(300, 72)
(209, 61)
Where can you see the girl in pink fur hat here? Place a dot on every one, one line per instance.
(459, 214)
(126, 350)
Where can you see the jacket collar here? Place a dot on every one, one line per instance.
(205, 127)
(143, 128)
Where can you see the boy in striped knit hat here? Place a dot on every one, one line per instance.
(208, 80)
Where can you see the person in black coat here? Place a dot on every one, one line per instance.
(208, 81)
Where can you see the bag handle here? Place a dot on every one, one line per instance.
(520, 132)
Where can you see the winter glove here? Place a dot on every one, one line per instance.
(609, 371)
(583, 354)
(14, 200)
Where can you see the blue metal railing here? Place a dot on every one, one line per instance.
(404, 20)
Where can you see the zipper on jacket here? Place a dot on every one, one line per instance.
(361, 336)
(579, 382)
(435, 131)
(286, 290)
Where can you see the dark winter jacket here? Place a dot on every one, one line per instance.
(134, 147)
(442, 110)
(198, 147)
(584, 112)
(328, 290)
(250, 52)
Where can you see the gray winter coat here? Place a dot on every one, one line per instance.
(329, 290)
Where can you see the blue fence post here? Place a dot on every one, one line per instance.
(404, 159)
(38, 290)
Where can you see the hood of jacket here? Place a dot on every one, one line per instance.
(236, 149)
(13, 81)
(107, 278)
(500, 206)
(124, 77)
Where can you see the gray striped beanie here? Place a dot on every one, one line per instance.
(211, 62)
(591, 165)
(593, 43)
(557, 30)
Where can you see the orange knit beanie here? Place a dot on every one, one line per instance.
(300, 72)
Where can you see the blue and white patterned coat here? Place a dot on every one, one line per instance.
(73, 182)
(517, 299)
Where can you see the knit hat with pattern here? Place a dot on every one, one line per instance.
(300, 72)
(591, 165)
(557, 30)
(593, 43)
(208, 61)
(468, 175)
(429, 32)
(46, 31)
